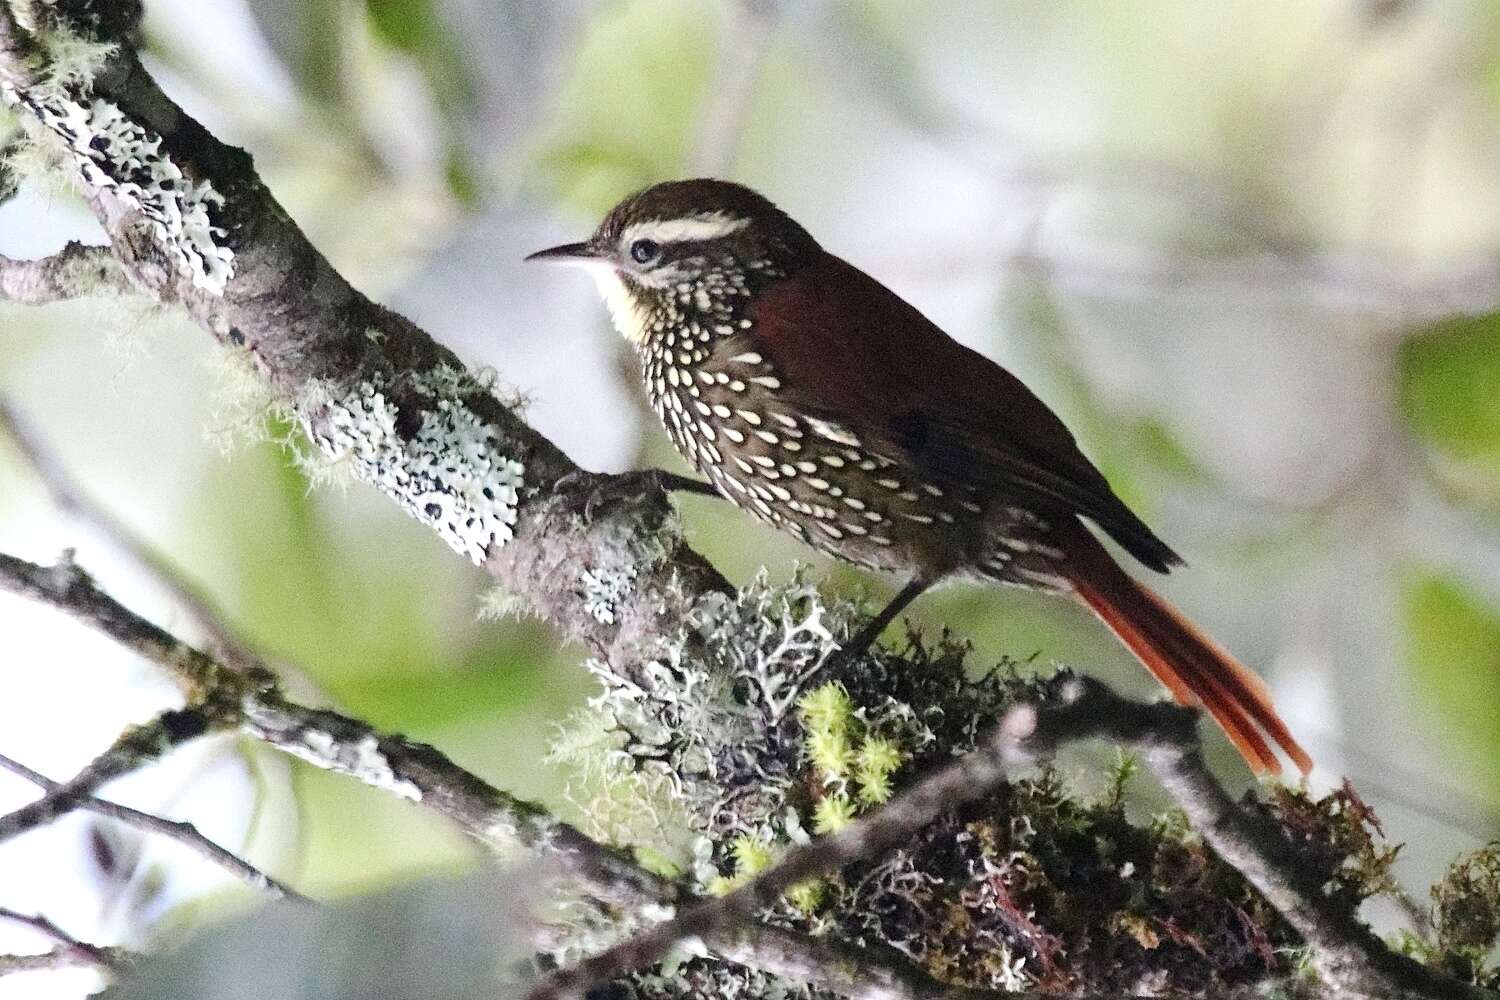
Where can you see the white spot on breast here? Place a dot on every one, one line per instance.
(748, 358)
(734, 435)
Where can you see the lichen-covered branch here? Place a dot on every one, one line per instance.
(1350, 959)
(191, 224)
(183, 832)
(705, 710)
(73, 272)
(422, 774)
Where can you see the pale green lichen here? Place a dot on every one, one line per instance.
(448, 470)
(110, 152)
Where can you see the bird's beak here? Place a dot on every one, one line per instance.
(568, 253)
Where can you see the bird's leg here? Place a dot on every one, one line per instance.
(865, 637)
(671, 482)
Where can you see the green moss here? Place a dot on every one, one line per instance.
(1341, 840)
(1466, 916)
(832, 813)
(1035, 887)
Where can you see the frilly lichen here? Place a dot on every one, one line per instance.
(109, 151)
(417, 439)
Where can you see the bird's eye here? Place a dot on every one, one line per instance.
(645, 251)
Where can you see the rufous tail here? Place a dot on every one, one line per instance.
(1197, 670)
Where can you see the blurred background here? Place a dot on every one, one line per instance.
(1249, 250)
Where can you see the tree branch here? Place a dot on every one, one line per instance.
(136, 747)
(70, 950)
(424, 775)
(369, 387)
(73, 272)
(373, 390)
(181, 831)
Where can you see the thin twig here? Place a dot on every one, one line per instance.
(111, 959)
(72, 500)
(495, 818)
(132, 750)
(181, 831)
(46, 961)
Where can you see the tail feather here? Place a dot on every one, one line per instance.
(1191, 665)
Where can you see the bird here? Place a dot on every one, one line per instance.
(818, 400)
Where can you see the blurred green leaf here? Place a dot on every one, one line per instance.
(629, 112)
(1450, 398)
(416, 28)
(1453, 649)
(305, 35)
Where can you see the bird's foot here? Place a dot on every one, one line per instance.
(599, 489)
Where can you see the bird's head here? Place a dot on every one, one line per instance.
(686, 247)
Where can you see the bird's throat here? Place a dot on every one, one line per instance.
(631, 316)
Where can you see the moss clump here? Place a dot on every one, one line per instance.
(736, 745)
(1340, 838)
(1466, 917)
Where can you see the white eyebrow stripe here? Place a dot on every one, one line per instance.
(706, 226)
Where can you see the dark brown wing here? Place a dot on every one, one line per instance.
(856, 353)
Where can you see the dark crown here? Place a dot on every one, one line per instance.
(769, 229)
